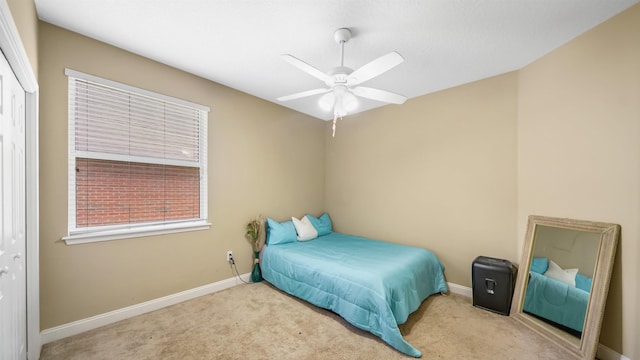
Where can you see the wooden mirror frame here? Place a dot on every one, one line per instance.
(587, 345)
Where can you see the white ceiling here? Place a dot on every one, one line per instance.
(238, 43)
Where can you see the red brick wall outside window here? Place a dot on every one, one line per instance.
(118, 192)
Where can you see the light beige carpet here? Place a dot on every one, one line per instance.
(257, 321)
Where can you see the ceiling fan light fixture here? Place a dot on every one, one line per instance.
(339, 109)
(340, 100)
(349, 102)
(327, 101)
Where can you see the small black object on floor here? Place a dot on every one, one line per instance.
(493, 281)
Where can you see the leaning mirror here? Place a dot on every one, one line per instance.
(563, 281)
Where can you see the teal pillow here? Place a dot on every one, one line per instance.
(280, 233)
(322, 224)
(539, 265)
(583, 282)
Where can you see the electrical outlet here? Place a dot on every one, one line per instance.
(230, 256)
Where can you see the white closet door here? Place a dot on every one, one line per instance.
(13, 281)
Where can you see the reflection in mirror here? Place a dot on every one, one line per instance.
(563, 282)
(561, 269)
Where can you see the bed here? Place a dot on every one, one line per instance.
(374, 285)
(558, 301)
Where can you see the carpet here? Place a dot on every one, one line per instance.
(258, 321)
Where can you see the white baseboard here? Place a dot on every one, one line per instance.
(80, 326)
(460, 290)
(605, 353)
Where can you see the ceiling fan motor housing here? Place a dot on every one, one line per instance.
(340, 75)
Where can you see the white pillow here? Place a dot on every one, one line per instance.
(567, 276)
(304, 228)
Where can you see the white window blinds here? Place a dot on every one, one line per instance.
(147, 147)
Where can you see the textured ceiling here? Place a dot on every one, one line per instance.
(238, 43)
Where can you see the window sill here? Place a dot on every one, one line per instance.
(117, 234)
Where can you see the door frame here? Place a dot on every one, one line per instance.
(14, 51)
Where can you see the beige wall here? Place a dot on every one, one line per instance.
(26, 20)
(263, 159)
(437, 172)
(579, 152)
(457, 171)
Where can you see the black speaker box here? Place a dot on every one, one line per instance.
(493, 281)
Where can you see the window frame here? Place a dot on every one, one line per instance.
(82, 235)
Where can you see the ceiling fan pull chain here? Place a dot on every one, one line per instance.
(335, 118)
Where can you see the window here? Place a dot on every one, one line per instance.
(137, 161)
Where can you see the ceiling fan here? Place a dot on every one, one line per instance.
(343, 82)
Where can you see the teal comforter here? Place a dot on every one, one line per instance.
(556, 301)
(372, 284)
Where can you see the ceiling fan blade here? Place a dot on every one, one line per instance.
(379, 95)
(307, 68)
(375, 68)
(303, 94)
